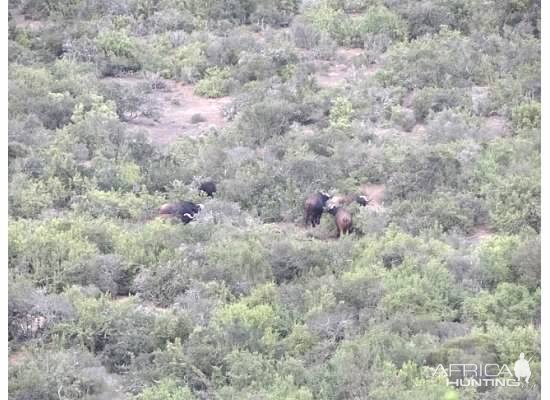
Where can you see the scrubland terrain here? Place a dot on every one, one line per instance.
(429, 108)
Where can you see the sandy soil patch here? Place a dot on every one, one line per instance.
(342, 71)
(22, 22)
(17, 357)
(481, 233)
(375, 193)
(495, 126)
(177, 105)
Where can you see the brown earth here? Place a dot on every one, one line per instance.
(17, 357)
(341, 71)
(496, 126)
(481, 233)
(375, 193)
(22, 22)
(177, 104)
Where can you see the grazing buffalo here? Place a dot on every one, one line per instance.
(184, 210)
(313, 208)
(341, 201)
(338, 201)
(342, 218)
(362, 200)
(208, 187)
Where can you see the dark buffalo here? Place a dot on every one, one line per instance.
(362, 200)
(184, 210)
(313, 208)
(343, 220)
(208, 187)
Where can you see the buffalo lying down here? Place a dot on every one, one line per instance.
(184, 210)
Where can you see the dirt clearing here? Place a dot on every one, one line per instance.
(182, 112)
(375, 193)
(342, 71)
(481, 233)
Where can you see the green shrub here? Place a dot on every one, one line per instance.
(166, 389)
(265, 119)
(149, 243)
(117, 204)
(435, 61)
(29, 197)
(423, 170)
(214, 84)
(403, 118)
(341, 113)
(496, 260)
(45, 250)
(120, 50)
(49, 374)
(274, 12)
(131, 101)
(240, 262)
(118, 331)
(514, 202)
(305, 35)
(325, 18)
(109, 273)
(117, 43)
(32, 313)
(122, 176)
(189, 62)
(380, 21)
(428, 17)
(526, 116)
(437, 100)
(510, 306)
(447, 211)
(376, 23)
(449, 126)
(162, 284)
(247, 324)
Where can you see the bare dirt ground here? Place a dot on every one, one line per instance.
(177, 104)
(341, 71)
(375, 193)
(33, 25)
(481, 233)
(145, 305)
(496, 126)
(17, 357)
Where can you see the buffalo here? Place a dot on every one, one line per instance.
(362, 200)
(341, 201)
(342, 218)
(338, 201)
(208, 187)
(184, 210)
(313, 208)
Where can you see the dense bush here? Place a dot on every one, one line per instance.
(435, 116)
(436, 100)
(356, 31)
(51, 373)
(448, 59)
(120, 52)
(214, 84)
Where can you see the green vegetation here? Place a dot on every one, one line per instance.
(430, 108)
